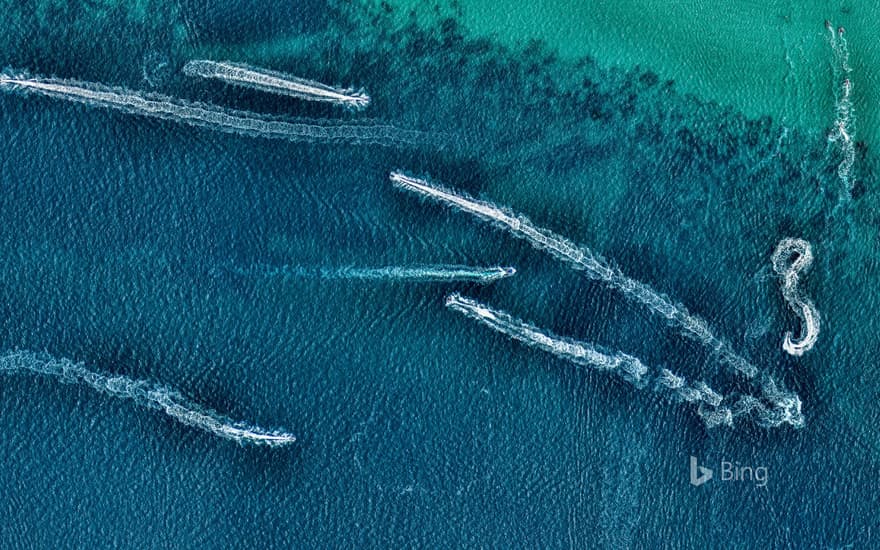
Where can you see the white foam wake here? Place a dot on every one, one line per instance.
(843, 130)
(582, 259)
(771, 408)
(414, 274)
(209, 116)
(791, 257)
(275, 82)
(147, 394)
(581, 353)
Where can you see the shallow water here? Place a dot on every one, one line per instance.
(763, 58)
(415, 425)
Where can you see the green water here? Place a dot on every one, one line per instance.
(762, 58)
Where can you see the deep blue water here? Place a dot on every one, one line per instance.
(417, 428)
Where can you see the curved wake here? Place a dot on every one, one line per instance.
(791, 257)
(146, 394)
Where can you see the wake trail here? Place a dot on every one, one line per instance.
(791, 257)
(213, 117)
(146, 394)
(275, 82)
(582, 259)
(414, 274)
(771, 408)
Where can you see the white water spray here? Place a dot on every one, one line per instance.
(772, 408)
(212, 117)
(791, 257)
(274, 82)
(582, 259)
(147, 394)
(843, 130)
(412, 274)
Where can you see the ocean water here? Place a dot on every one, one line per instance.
(417, 427)
(763, 58)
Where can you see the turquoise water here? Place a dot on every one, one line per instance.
(415, 425)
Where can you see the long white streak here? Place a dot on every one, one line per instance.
(213, 117)
(147, 394)
(771, 409)
(583, 259)
(434, 273)
(581, 353)
(413, 274)
(843, 130)
(275, 82)
(791, 257)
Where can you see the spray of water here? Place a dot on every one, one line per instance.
(274, 82)
(582, 259)
(146, 394)
(409, 274)
(843, 130)
(212, 117)
(772, 407)
(791, 257)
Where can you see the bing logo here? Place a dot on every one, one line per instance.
(730, 471)
(699, 474)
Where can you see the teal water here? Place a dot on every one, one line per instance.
(415, 426)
